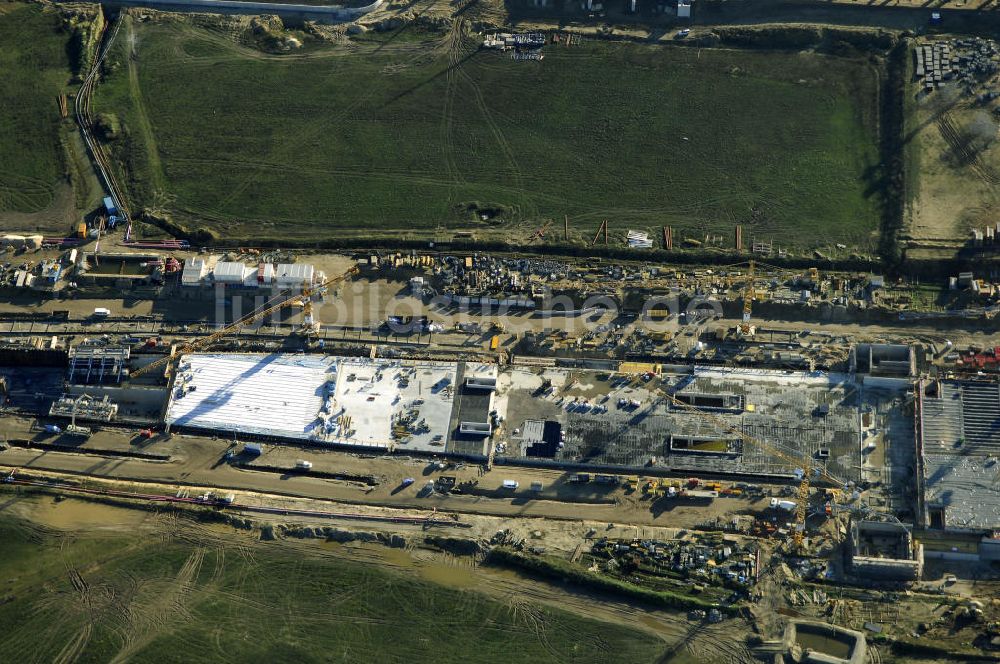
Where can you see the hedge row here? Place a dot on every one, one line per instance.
(556, 568)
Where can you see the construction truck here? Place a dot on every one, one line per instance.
(698, 494)
(77, 430)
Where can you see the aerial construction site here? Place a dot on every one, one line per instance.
(590, 333)
(831, 461)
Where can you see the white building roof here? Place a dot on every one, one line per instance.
(226, 272)
(288, 274)
(262, 394)
(347, 401)
(260, 275)
(194, 271)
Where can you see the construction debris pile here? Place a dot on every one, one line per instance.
(970, 61)
(716, 560)
(639, 240)
(483, 275)
(521, 45)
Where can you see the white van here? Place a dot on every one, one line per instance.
(101, 312)
(510, 485)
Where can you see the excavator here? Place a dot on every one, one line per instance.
(304, 300)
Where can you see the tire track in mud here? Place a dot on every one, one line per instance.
(715, 644)
(960, 147)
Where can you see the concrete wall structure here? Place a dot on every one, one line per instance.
(885, 551)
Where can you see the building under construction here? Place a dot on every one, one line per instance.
(98, 364)
(696, 420)
(958, 447)
(885, 551)
(84, 408)
(357, 402)
(701, 420)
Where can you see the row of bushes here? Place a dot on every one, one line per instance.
(85, 25)
(892, 145)
(556, 568)
(803, 36)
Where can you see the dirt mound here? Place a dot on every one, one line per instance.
(338, 535)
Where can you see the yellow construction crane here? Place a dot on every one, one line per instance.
(304, 299)
(746, 329)
(802, 464)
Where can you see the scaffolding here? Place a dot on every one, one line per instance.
(84, 407)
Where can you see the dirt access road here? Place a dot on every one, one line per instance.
(198, 461)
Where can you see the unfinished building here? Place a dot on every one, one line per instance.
(883, 360)
(739, 422)
(382, 403)
(98, 364)
(119, 270)
(958, 443)
(84, 407)
(885, 551)
(632, 417)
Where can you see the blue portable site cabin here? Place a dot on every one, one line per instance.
(109, 205)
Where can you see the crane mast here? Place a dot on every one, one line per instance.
(304, 299)
(746, 329)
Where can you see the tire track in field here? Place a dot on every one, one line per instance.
(29, 193)
(145, 125)
(74, 648)
(386, 174)
(535, 619)
(498, 135)
(447, 114)
(146, 622)
(961, 149)
(288, 148)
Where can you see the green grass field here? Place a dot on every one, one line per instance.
(406, 133)
(187, 593)
(35, 69)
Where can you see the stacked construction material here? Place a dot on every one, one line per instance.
(639, 240)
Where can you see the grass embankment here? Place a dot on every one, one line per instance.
(422, 132)
(35, 68)
(557, 568)
(185, 594)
